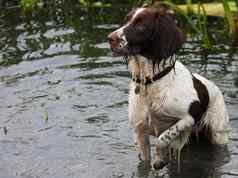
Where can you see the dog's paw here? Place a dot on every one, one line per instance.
(159, 164)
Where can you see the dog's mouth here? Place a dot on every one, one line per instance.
(119, 47)
(123, 49)
(120, 51)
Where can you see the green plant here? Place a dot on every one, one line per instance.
(195, 16)
(229, 16)
(88, 4)
(30, 4)
(46, 116)
(203, 27)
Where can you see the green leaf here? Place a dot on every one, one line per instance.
(46, 116)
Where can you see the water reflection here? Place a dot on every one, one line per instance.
(198, 160)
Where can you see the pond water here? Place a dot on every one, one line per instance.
(63, 100)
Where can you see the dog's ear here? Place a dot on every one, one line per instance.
(167, 37)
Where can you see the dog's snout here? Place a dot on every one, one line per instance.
(115, 40)
(113, 37)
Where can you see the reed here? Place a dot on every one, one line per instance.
(194, 14)
(195, 17)
(202, 25)
(229, 16)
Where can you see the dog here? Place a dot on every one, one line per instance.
(166, 100)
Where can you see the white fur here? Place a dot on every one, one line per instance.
(217, 116)
(161, 109)
(163, 105)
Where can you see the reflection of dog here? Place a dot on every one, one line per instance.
(166, 100)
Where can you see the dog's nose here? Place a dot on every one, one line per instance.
(113, 38)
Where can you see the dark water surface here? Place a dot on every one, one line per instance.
(63, 100)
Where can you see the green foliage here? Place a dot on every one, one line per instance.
(195, 18)
(203, 27)
(229, 16)
(195, 23)
(29, 5)
(99, 4)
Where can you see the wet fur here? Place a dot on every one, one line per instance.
(174, 106)
(144, 36)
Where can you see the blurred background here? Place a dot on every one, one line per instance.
(63, 97)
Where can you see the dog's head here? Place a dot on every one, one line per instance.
(152, 33)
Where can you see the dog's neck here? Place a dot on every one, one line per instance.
(144, 72)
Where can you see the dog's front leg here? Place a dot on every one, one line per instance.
(168, 136)
(142, 143)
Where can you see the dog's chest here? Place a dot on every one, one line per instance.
(150, 110)
(159, 105)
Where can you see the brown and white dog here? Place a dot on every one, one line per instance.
(166, 100)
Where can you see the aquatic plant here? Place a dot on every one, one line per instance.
(195, 17)
(202, 25)
(194, 14)
(88, 4)
(46, 116)
(30, 4)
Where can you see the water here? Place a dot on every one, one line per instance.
(63, 110)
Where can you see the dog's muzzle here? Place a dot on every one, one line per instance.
(118, 43)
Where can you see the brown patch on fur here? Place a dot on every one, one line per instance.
(198, 108)
(154, 35)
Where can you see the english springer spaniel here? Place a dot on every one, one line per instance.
(166, 100)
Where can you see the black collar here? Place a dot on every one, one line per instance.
(156, 76)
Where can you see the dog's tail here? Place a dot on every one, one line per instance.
(216, 119)
(215, 122)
